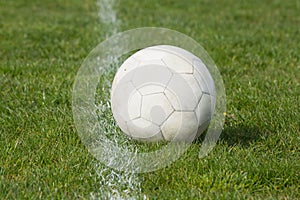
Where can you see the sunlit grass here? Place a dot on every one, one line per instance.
(256, 47)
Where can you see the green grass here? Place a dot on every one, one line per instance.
(254, 43)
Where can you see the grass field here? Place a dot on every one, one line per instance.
(256, 47)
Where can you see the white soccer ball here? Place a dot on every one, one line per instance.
(163, 93)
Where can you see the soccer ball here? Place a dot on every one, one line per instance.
(163, 93)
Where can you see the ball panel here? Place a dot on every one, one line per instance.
(124, 73)
(142, 129)
(183, 92)
(201, 82)
(155, 138)
(151, 89)
(151, 75)
(177, 64)
(204, 72)
(123, 97)
(156, 108)
(203, 110)
(134, 105)
(158, 62)
(180, 126)
(175, 50)
(148, 55)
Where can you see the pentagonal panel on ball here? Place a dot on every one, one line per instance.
(143, 129)
(181, 126)
(183, 92)
(156, 108)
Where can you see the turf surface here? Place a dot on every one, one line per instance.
(254, 43)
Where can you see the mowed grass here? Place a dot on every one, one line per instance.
(256, 47)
